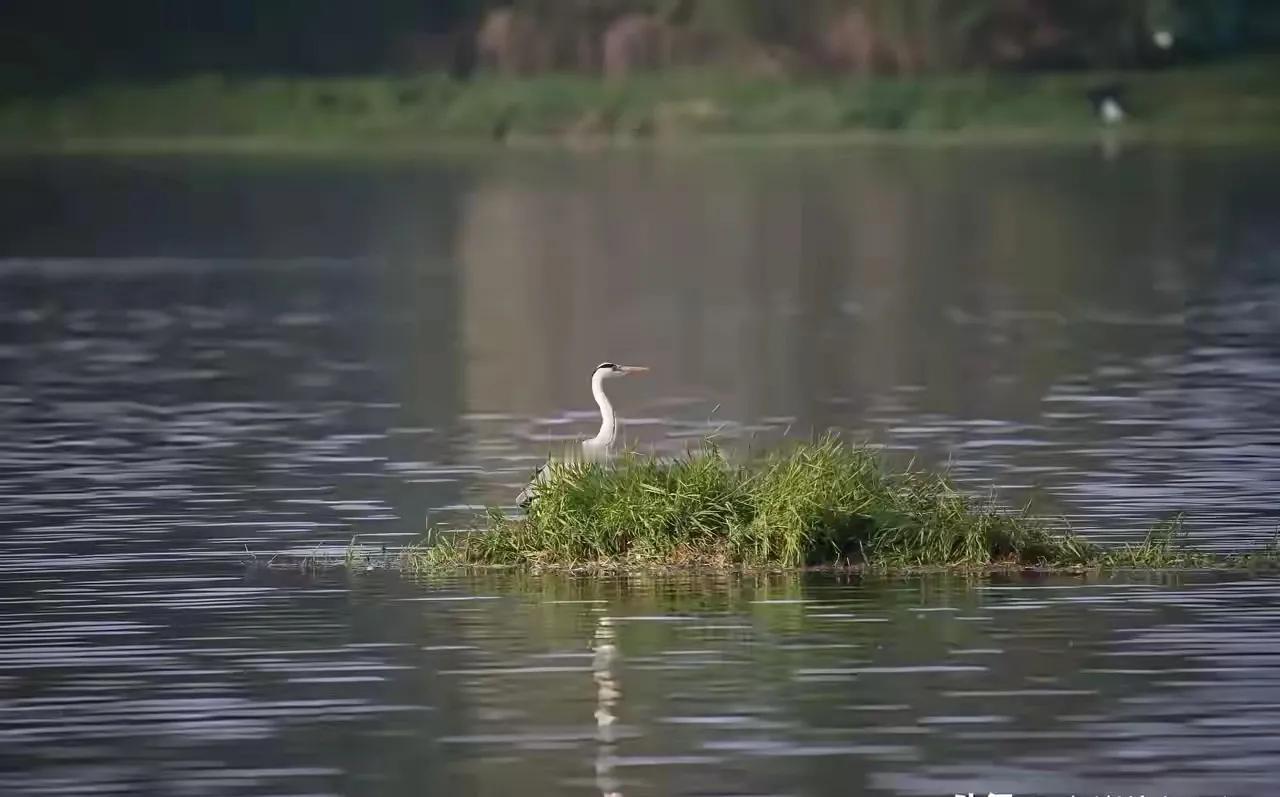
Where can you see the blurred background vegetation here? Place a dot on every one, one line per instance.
(491, 67)
(52, 44)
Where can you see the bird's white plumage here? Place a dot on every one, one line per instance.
(599, 446)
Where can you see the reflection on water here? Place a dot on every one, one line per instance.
(137, 682)
(209, 363)
(607, 695)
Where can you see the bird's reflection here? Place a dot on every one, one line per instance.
(608, 691)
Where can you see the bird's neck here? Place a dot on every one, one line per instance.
(608, 423)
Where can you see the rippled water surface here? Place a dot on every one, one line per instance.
(215, 367)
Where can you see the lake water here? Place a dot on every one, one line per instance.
(215, 366)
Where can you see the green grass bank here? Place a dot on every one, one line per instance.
(1234, 101)
(821, 504)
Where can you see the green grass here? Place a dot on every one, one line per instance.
(827, 503)
(1231, 101)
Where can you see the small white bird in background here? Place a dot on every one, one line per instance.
(1106, 102)
(1163, 38)
(1111, 111)
(599, 447)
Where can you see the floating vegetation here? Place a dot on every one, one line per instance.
(817, 504)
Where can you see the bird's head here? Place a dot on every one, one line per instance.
(609, 370)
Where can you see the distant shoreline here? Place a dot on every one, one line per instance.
(312, 148)
(1235, 103)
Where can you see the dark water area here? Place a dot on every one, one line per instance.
(212, 364)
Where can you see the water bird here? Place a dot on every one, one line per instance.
(599, 447)
(1106, 103)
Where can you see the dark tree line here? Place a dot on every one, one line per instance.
(52, 44)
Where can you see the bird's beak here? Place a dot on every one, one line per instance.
(634, 369)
